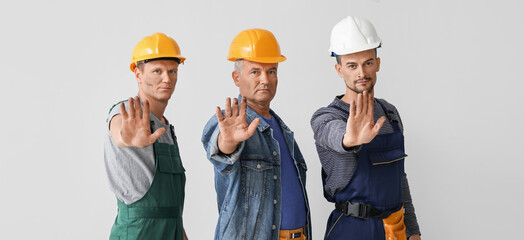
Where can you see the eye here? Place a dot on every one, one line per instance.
(352, 66)
(272, 72)
(157, 71)
(369, 63)
(173, 71)
(254, 72)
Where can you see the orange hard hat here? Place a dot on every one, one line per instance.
(257, 45)
(157, 45)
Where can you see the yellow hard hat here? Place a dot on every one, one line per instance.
(257, 45)
(157, 45)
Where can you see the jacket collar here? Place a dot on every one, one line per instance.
(263, 125)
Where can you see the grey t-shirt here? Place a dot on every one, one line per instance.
(131, 169)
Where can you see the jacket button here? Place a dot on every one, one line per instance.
(274, 153)
(275, 177)
(274, 227)
(275, 201)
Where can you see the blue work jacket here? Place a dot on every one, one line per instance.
(247, 181)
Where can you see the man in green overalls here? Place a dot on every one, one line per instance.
(141, 152)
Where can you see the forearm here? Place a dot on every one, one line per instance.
(330, 134)
(410, 218)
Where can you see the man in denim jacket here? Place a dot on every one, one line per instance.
(260, 174)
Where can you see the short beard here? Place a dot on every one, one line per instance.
(361, 91)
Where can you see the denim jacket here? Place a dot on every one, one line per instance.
(247, 181)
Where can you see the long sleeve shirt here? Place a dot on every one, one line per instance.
(339, 164)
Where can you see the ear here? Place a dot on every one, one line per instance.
(236, 77)
(378, 64)
(138, 75)
(338, 68)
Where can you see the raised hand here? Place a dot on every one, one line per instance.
(135, 130)
(361, 127)
(233, 125)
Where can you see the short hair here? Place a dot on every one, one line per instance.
(239, 63)
(339, 58)
(140, 64)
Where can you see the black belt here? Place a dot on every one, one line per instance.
(363, 210)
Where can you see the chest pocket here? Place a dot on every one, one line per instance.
(386, 156)
(168, 159)
(256, 173)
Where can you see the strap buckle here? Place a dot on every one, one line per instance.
(359, 210)
(295, 235)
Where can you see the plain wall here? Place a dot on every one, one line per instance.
(452, 68)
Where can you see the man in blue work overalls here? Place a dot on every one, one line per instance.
(360, 144)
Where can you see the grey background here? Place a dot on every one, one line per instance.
(452, 68)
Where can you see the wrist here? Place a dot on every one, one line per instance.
(348, 143)
(226, 147)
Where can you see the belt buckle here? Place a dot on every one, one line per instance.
(295, 235)
(356, 210)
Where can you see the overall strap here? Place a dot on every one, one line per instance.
(391, 116)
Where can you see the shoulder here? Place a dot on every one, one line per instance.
(210, 128)
(115, 110)
(328, 113)
(388, 106)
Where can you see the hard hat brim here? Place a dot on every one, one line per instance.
(261, 59)
(354, 50)
(132, 66)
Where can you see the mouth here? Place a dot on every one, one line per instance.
(263, 90)
(363, 82)
(164, 88)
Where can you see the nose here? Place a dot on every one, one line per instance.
(264, 78)
(166, 78)
(361, 72)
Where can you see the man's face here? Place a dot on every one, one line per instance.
(359, 70)
(257, 82)
(157, 79)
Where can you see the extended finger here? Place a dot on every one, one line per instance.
(352, 109)
(371, 103)
(123, 111)
(220, 117)
(365, 102)
(359, 104)
(131, 108)
(145, 113)
(235, 107)
(138, 108)
(228, 107)
(243, 107)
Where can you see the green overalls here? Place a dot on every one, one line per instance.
(158, 215)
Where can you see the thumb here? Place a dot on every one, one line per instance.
(159, 132)
(253, 126)
(379, 124)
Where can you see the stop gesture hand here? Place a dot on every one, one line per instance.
(361, 127)
(135, 129)
(233, 125)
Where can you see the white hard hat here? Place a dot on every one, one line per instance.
(351, 35)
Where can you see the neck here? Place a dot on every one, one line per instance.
(352, 96)
(156, 107)
(261, 109)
